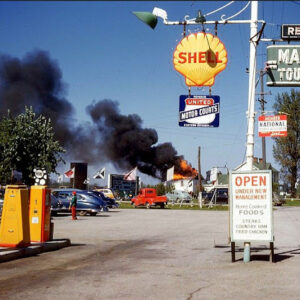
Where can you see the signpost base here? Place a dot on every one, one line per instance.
(232, 251)
(272, 257)
(246, 252)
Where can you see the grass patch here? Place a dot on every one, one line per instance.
(292, 202)
(178, 207)
(125, 205)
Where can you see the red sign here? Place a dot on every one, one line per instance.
(274, 126)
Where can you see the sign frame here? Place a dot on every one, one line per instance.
(269, 207)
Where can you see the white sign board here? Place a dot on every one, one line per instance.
(275, 126)
(251, 214)
(213, 174)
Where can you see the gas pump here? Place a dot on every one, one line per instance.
(40, 213)
(14, 230)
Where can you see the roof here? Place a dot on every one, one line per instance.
(258, 165)
(222, 178)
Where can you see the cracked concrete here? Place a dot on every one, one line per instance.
(157, 254)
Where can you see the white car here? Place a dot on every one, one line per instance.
(179, 196)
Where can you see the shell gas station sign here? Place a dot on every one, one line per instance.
(199, 57)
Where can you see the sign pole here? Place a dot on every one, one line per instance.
(251, 101)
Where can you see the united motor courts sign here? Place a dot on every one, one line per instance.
(251, 214)
(283, 65)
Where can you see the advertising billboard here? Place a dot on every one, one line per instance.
(199, 111)
(118, 183)
(199, 57)
(274, 126)
(251, 213)
(283, 65)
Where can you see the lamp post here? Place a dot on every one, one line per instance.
(151, 20)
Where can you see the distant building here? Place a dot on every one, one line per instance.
(186, 184)
(258, 165)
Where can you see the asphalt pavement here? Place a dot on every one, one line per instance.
(157, 254)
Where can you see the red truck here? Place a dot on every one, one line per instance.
(148, 197)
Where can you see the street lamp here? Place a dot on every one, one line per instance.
(151, 20)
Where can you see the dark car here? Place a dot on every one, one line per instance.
(56, 205)
(86, 203)
(277, 199)
(219, 196)
(111, 203)
(2, 191)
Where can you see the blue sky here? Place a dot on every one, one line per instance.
(105, 52)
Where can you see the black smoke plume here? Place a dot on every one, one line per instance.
(127, 144)
(37, 81)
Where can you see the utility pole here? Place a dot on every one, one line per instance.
(262, 107)
(199, 177)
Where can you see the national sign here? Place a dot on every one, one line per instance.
(274, 126)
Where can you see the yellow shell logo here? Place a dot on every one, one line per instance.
(199, 57)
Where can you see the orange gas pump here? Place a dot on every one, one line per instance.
(39, 213)
(14, 230)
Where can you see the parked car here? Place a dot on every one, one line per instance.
(110, 202)
(148, 198)
(107, 192)
(206, 196)
(219, 196)
(179, 196)
(86, 203)
(277, 199)
(56, 205)
(2, 191)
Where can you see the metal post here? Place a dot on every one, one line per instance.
(199, 178)
(251, 101)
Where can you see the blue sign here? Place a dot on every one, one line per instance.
(199, 111)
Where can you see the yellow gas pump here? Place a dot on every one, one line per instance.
(39, 213)
(14, 230)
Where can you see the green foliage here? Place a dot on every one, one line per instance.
(27, 142)
(286, 150)
(161, 189)
(170, 188)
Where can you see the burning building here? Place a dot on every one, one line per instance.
(185, 178)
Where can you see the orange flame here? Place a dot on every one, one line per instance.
(186, 171)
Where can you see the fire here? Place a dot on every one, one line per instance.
(186, 171)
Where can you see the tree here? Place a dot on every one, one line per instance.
(286, 150)
(27, 142)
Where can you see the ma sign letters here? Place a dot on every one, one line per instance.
(283, 65)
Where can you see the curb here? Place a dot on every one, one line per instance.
(7, 254)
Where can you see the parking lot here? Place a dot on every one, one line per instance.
(157, 254)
